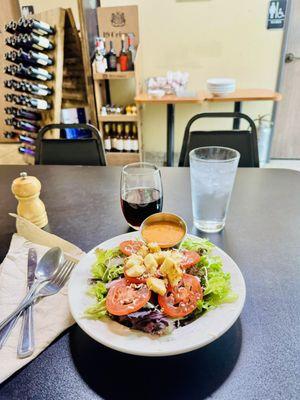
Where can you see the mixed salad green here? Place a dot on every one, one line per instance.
(153, 317)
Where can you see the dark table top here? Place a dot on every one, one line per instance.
(258, 358)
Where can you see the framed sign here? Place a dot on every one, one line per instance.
(115, 21)
(276, 14)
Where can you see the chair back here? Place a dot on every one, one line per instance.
(244, 141)
(83, 151)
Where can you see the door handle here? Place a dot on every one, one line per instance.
(290, 57)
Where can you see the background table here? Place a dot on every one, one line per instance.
(257, 359)
(237, 98)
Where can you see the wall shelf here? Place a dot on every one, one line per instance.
(113, 75)
(118, 118)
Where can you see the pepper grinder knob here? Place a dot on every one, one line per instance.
(27, 191)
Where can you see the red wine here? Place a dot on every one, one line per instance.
(139, 203)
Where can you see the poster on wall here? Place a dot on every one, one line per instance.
(115, 21)
(27, 10)
(276, 14)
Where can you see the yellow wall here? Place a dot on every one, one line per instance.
(207, 38)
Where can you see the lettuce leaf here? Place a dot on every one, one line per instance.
(96, 311)
(216, 282)
(201, 245)
(101, 268)
(98, 290)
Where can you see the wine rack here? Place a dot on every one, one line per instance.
(55, 82)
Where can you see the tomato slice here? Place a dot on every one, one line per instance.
(136, 280)
(130, 247)
(181, 300)
(124, 298)
(189, 258)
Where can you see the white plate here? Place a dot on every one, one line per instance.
(197, 334)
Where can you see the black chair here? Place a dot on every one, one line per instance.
(85, 151)
(244, 141)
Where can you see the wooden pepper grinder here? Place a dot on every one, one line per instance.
(27, 190)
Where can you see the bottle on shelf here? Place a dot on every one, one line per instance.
(25, 150)
(127, 139)
(11, 41)
(28, 101)
(113, 136)
(29, 41)
(107, 138)
(30, 73)
(26, 139)
(11, 27)
(39, 104)
(23, 113)
(131, 52)
(9, 97)
(134, 139)
(10, 135)
(28, 25)
(123, 57)
(112, 60)
(22, 125)
(100, 53)
(28, 58)
(119, 138)
(37, 89)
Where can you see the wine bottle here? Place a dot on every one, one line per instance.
(134, 140)
(11, 41)
(31, 73)
(131, 52)
(37, 89)
(23, 113)
(120, 140)
(37, 42)
(28, 58)
(9, 83)
(26, 139)
(8, 97)
(123, 57)
(38, 104)
(28, 25)
(111, 57)
(22, 125)
(127, 139)
(25, 150)
(8, 69)
(10, 135)
(107, 138)
(11, 27)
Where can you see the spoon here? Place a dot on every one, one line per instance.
(45, 270)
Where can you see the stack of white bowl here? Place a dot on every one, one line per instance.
(221, 86)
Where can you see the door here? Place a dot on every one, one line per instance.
(286, 142)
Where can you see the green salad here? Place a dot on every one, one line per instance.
(153, 290)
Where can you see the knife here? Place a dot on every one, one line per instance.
(26, 339)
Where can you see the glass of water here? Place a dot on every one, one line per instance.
(213, 171)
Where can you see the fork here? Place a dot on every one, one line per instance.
(50, 288)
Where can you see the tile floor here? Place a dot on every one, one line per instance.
(9, 155)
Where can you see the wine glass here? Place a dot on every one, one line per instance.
(141, 192)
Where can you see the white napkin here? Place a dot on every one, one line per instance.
(51, 315)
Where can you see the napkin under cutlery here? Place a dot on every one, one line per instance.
(51, 315)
